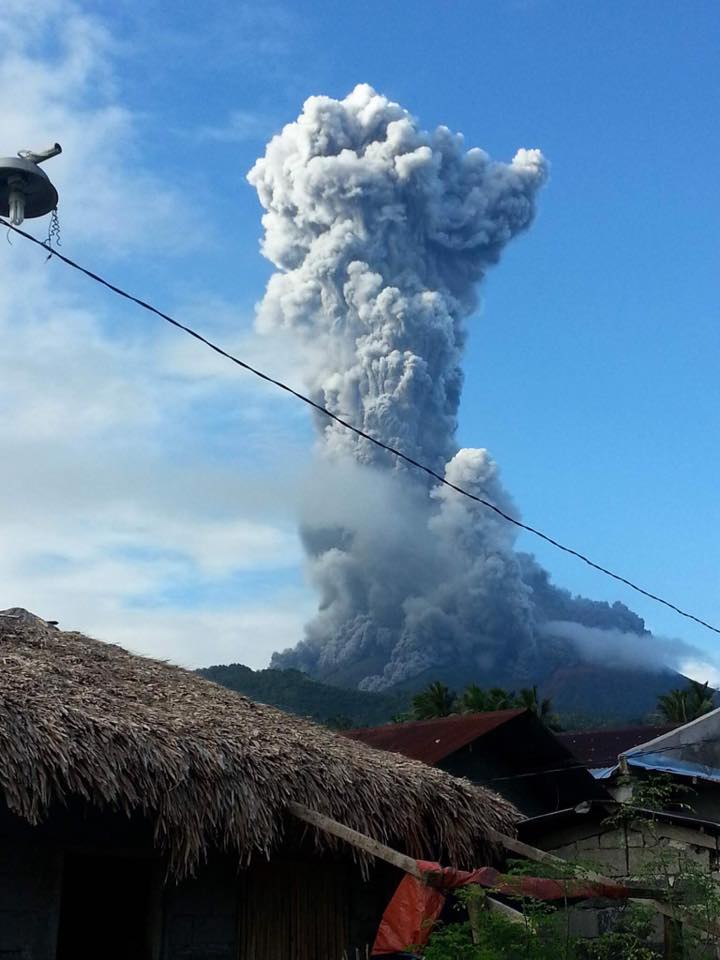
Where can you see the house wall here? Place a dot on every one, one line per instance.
(504, 768)
(628, 851)
(297, 907)
(526, 764)
(631, 850)
(30, 878)
(200, 915)
(284, 910)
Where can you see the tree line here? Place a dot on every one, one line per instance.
(438, 700)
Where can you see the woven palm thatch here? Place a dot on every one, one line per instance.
(84, 719)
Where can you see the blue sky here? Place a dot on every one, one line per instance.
(148, 490)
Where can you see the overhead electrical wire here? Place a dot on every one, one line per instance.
(356, 430)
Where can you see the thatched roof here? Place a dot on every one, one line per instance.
(80, 718)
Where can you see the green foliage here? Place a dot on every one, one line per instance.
(295, 692)
(500, 699)
(497, 939)
(659, 791)
(436, 700)
(543, 935)
(493, 937)
(475, 699)
(681, 706)
(528, 698)
(655, 791)
(629, 939)
(700, 894)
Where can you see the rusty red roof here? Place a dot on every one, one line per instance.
(601, 748)
(433, 740)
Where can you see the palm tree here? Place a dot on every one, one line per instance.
(702, 698)
(500, 699)
(474, 699)
(528, 699)
(673, 706)
(437, 700)
(681, 706)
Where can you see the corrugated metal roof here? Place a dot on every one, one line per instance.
(692, 750)
(603, 773)
(433, 740)
(601, 748)
(683, 768)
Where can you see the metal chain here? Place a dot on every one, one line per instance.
(53, 236)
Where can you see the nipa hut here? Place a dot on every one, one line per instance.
(145, 814)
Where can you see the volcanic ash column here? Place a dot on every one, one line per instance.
(380, 233)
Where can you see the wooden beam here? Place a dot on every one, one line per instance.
(542, 856)
(376, 849)
(697, 837)
(640, 891)
(514, 916)
(372, 847)
(380, 850)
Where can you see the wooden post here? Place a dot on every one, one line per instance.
(672, 941)
(475, 904)
(155, 913)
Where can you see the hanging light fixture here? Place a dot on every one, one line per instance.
(25, 189)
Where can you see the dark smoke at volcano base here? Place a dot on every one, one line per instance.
(381, 234)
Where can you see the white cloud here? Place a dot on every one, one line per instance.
(114, 495)
(701, 670)
(68, 94)
(200, 638)
(95, 480)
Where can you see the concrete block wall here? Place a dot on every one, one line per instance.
(628, 852)
(602, 851)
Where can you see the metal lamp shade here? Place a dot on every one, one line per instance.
(40, 195)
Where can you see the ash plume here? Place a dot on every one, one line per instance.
(381, 233)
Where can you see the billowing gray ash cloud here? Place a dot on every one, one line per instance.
(381, 233)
